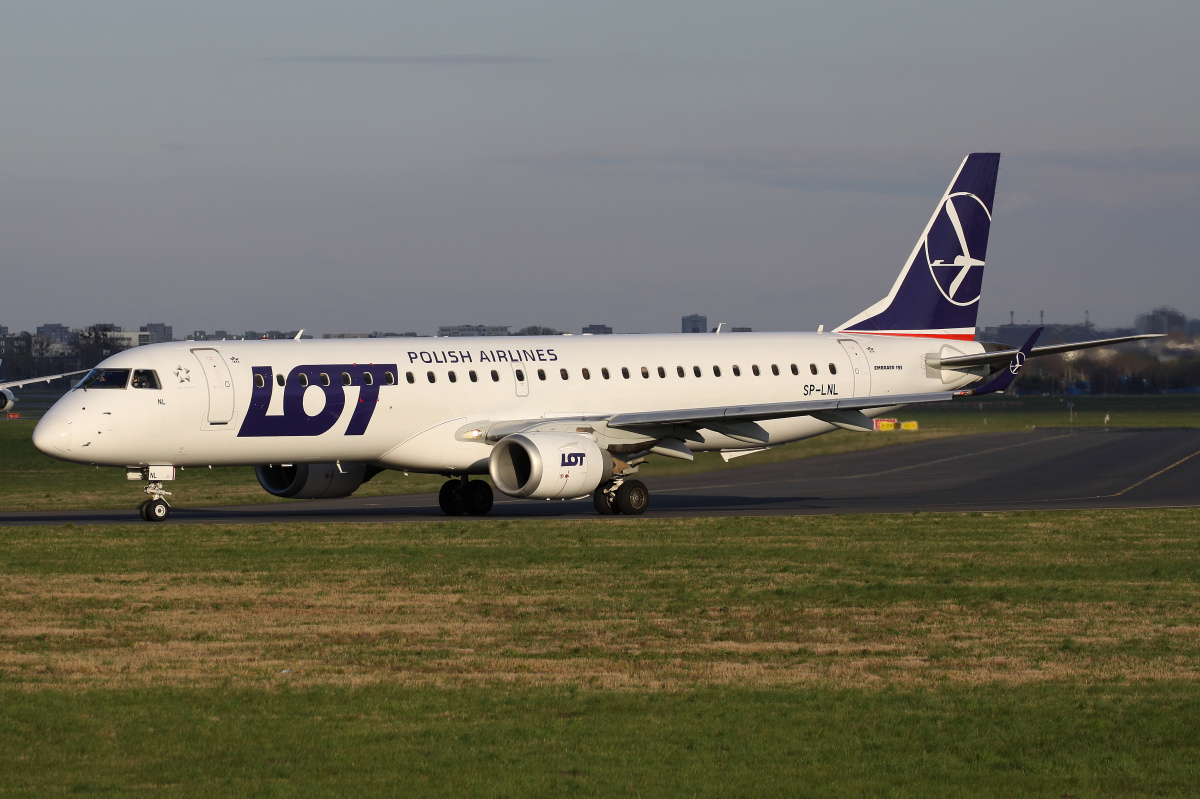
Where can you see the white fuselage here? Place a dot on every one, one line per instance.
(401, 403)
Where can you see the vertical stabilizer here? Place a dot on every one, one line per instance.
(937, 292)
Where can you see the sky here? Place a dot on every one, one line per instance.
(395, 166)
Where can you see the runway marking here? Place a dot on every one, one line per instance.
(921, 464)
(1156, 474)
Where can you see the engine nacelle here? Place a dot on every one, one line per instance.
(7, 400)
(312, 480)
(548, 465)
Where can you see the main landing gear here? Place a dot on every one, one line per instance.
(630, 497)
(464, 496)
(156, 508)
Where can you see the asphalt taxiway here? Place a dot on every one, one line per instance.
(1049, 469)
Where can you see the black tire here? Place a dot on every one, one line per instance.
(157, 510)
(144, 510)
(633, 497)
(478, 498)
(605, 505)
(451, 499)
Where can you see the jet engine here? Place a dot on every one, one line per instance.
(548, 465)
(7, 400)
(313, 480)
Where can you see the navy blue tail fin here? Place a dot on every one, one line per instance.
(937, 292)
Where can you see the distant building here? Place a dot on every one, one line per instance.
(345, 335)
(695, 324)
(597, 330)
(381, 334)
(3, 330)
(157, 332)
(454, 331)
(57, 333)
(198, 335)
(741, 330)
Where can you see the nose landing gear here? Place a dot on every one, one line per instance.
(156, 508)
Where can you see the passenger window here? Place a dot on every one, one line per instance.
(812, 367)
(645, 373)
(280, 379)
(662, 372)
(832, 369)
(562, 373)
(716, 371)
(541, 374)
(737, 370)
(409, 377)
(474, 377)
(148, 378)
(604, 372)
(586, 374)
(453, 377)
(795, 369)
(625, 372)
(390, 378)
(679, 371)
(324, 379)
(696, 371)
(302, 379)
(368, 379)
(520, 375)
(754, 369)
(495, 376)
(259, 382)
(346, 379)
(431, 376)
(775, 369)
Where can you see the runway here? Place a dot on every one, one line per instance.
(1049, 469)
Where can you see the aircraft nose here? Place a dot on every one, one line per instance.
(53, 435)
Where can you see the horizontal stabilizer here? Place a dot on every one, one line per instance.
(1000, 357)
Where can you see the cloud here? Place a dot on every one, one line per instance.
(441, 60)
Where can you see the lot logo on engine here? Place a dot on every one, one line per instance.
(330, 380)
(572, 459)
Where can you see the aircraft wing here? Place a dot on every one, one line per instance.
(772, 410)
(1000, 357)
(44, 379)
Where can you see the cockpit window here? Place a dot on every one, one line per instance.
(145, 378)
(104, 378)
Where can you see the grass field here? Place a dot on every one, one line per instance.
(986, 654)
(33, 481)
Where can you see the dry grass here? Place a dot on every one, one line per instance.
(356, 628)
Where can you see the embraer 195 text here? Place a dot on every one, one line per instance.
(547, 417)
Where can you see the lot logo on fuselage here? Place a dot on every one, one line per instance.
(295, 421)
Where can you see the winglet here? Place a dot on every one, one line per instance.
(1005, 378)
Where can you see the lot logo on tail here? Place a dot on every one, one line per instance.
(958, 235)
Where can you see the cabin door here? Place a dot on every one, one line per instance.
(220, 385)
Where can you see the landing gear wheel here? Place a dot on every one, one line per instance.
(451, 498)
(604, 502)
(632, 497)
(157, 510)
(143, 509)
(477, 498)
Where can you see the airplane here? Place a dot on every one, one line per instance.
(8, 399)
(546, 417)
